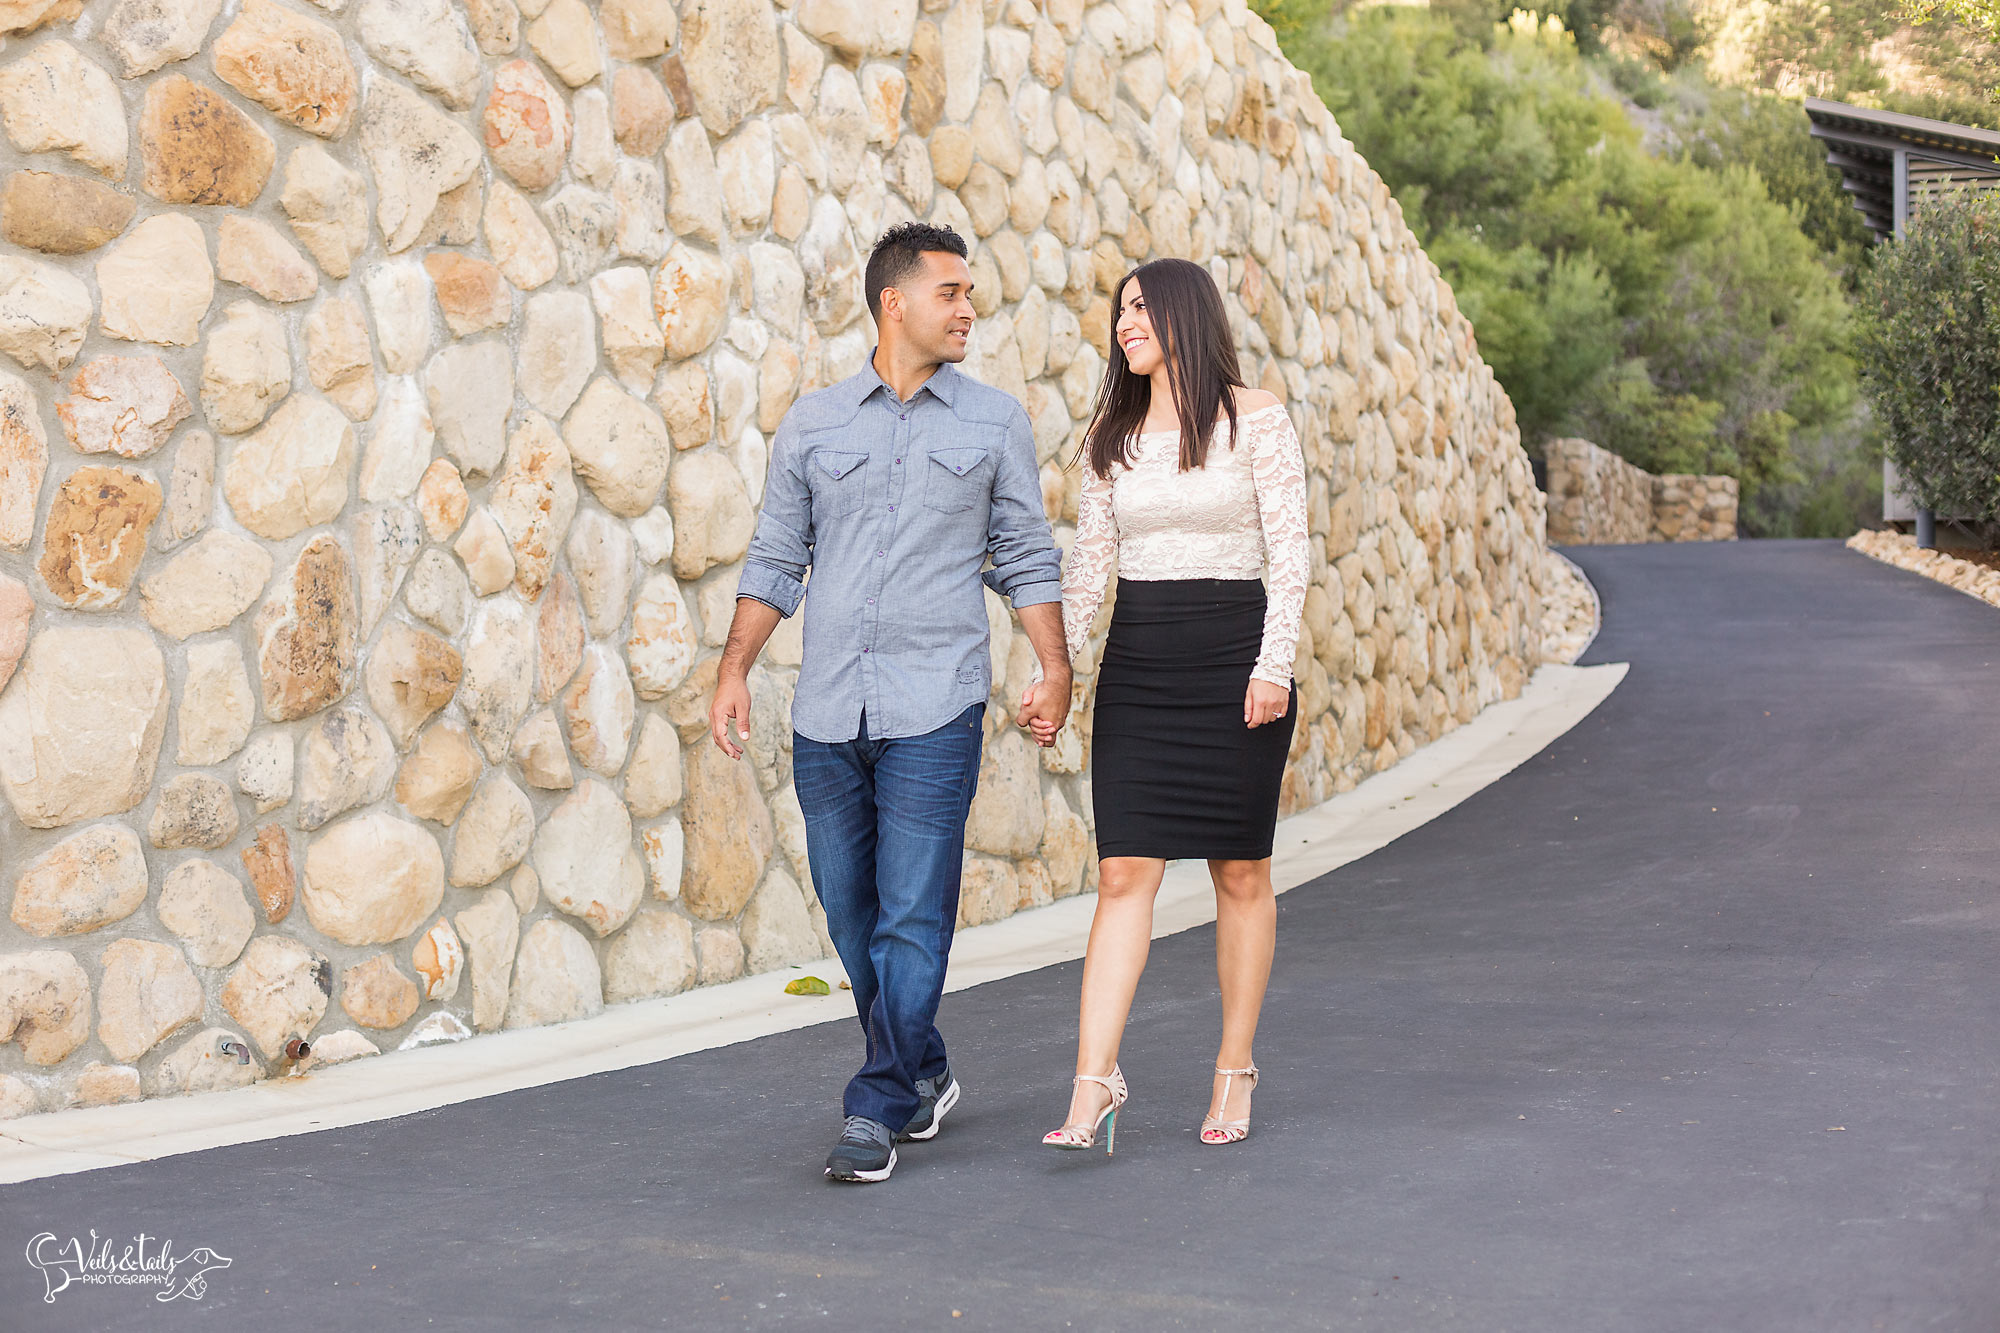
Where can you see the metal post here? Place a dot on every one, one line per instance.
(1926, 520)
(1901, 175)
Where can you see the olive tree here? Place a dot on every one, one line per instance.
(1929, 352)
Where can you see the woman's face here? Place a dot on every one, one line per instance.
(1134, 332)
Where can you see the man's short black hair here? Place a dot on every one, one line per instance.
(900, 254)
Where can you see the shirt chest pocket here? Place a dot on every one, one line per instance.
(838, 479)
(958, 477)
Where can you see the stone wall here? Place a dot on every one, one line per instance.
(1692, 508)
(1597, 498)
(387, 411)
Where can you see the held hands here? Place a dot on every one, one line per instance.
(1044, 709)
(730, 710)
(1264, 702)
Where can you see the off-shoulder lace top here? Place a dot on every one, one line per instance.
(1223, 520)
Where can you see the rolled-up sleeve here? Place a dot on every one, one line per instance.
(781, 550)
(1027, 570)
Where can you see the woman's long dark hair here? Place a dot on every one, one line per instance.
(1193, 332)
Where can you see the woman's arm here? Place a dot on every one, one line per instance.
(1279, 468)
(1087, 571)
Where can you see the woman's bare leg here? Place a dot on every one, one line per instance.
(1246, 934)
(1121, 933)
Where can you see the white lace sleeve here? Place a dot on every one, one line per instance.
(1088, 567)
(1279, 467)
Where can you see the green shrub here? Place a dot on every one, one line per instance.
(1673, 311)
(1718, 127)
(1929, 349)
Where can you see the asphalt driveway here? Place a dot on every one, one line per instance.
(1691, 1023)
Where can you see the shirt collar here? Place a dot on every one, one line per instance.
(942, 385)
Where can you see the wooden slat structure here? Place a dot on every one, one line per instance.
(1889, 161)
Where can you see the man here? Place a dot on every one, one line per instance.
(894, 487)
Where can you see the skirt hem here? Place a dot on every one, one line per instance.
(1178, 854)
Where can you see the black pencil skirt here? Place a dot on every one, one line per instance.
(1174, 771)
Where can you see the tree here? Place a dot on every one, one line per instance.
(1864, 51)
(1718, 128)
(1982, 16)
(1673, 312)
(1930, 353)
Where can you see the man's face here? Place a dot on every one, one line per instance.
(937, 307)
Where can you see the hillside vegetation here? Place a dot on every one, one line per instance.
(1628, 205)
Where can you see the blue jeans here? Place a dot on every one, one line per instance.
(885, 835)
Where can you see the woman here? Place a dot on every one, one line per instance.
(1193, 482)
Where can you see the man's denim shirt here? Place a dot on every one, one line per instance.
(895, 507)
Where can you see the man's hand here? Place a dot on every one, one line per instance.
(1264, 702)
(729, 710)
(1046, 704)
(1044, 708)
(749, 631)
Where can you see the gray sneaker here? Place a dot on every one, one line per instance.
(866, 1152)
(936, 1096)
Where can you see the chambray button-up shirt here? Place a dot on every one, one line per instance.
(894, 507)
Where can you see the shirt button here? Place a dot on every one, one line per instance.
(892, 509)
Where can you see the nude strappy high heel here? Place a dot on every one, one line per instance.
(1074, 1137)
(1231, 1131)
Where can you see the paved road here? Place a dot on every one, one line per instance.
(1692, 1023)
